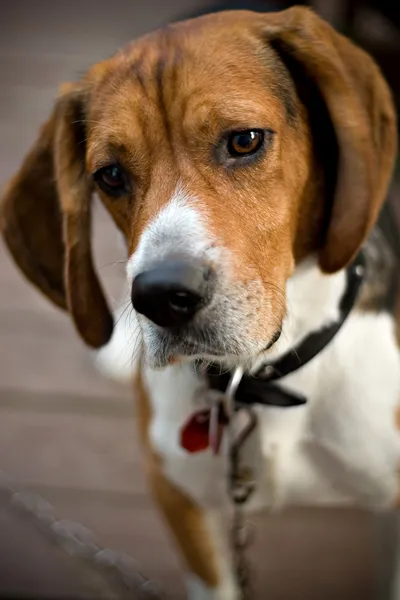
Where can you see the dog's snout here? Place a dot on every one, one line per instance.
(172, 292)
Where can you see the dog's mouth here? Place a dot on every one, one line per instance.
(166, 347)
(173, 346)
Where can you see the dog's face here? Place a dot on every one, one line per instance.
(227, 149)
(196, 151)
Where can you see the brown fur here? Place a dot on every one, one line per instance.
(39, 250)
(45, 219)
(363, 116)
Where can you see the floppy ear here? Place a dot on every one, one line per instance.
(45, 219)
(361, 110)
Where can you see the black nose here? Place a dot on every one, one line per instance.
(171, 293)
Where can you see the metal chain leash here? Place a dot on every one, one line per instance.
(109, 574)
(241, 485)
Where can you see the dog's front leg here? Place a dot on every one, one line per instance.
(198, 534)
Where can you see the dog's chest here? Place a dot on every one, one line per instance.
(343, 445)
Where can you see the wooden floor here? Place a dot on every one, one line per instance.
(70, 435)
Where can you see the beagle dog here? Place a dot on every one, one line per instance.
(246, 158)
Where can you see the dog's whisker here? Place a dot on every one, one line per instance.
(113, 263)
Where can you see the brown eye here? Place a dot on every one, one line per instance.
(241, 143)
(112, 180)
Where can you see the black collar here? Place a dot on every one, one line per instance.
(257, 388)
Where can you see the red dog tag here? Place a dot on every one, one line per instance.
(194, 434)
(203, 429)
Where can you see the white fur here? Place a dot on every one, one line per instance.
(178, 227)
(118, 360)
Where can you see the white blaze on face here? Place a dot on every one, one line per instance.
(178, 229)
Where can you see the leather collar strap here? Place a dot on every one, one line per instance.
(258, 388)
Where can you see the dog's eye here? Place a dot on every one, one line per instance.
(113, 180)
(242, 143)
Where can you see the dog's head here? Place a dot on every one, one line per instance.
(227, 149)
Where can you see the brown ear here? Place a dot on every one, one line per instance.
(360, 106)
(45, 220)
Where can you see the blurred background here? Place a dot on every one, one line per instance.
(69, 435)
